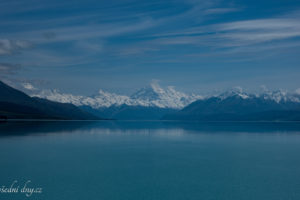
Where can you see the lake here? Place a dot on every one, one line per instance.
(111, 160)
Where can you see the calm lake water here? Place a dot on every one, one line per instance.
(151, 160)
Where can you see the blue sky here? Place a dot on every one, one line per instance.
(197, 46)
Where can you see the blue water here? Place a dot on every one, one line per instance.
(151, 160)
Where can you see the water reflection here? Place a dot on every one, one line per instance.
(152, 160)
(22, 128)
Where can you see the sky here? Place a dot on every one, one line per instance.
(81, 46)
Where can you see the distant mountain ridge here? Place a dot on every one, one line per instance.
(150, 96)
(15, 104)
(154, 103)
(149, 103)
(240, 106)
(277, 95)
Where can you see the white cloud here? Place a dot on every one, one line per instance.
(243, 33)
(29, 86)
(260, 30)
(262, 24)
(8, 47)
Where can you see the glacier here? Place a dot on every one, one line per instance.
(154, 95)
(150, 96)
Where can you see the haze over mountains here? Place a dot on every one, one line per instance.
(149, 96)
(148, 103)
(152, 103)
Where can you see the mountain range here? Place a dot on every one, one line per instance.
(15, 104)
(148, 103)
(154, 102)
(240, 106)
(151, 103)
(149, 96)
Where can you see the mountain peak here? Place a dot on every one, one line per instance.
(156, 88)
(148, 93)
(152, 95)
(234, 92)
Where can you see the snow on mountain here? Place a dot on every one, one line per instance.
(55, 95)
(278, 95)
(282, 96)
(28, 86)
(156, 96)
(151, 96)
(237, 91)
(102, 99)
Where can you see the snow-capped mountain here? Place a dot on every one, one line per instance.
(150, 96)
(154, 102)
(156, 96)
(236, 105)
(281, 96)
(277, 96)
(237, 91)
(15, 104)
